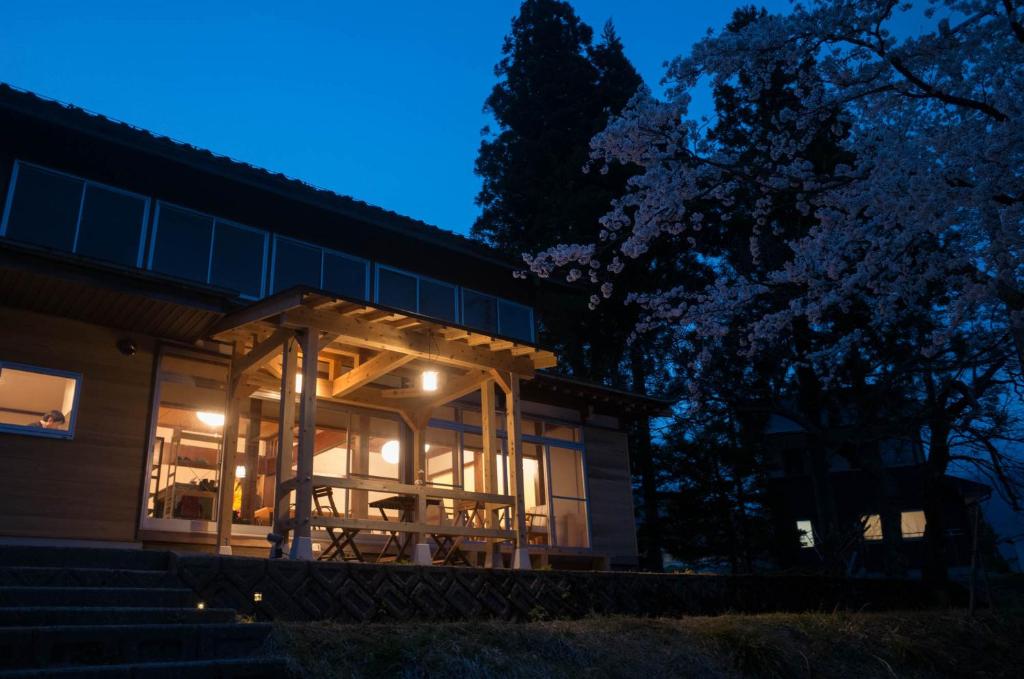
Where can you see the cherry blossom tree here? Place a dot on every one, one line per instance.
(904, 252)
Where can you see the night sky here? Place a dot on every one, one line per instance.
(379, 101)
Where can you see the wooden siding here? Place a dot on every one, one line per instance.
(612, 526)
(89, 487)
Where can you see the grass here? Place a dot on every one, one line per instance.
(840, 645)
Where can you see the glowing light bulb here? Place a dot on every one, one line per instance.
(430, 380)
(210, 419)
(389, 451)
(240, 471)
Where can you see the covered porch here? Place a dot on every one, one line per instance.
(382, 484)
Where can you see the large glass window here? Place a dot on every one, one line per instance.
(181, 244)
(295, 263)
(238, 258)
(58, 211)
(43, 208)
(38, 401)
(397, 289)
(437, 299)
(111, 226)
(479, 311)
(204, 249)
(345, 276)
(568, 493)
(515, 320)
(184, 467)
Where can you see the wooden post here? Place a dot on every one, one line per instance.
(514, 430)
(229, 448)
(359, 499)
(285, 438)
(421, 548)
(302, 544)
(489, 425)
(252, 458)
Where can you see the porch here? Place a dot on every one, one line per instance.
(383, 460)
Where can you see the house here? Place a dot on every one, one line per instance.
(196, 353)
(872, 482)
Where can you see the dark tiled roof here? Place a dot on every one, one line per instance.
(69, 115)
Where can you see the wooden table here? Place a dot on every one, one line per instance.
(405, 505)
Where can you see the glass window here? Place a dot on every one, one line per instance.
(396, 289)
(516, 320)
(184, 471)
(38, 401)
(345, 276)
(295, 263)
(181, 245)
(872, 527)
(479, 311)
(912, 524)
(568, 493)
(806, 532)
(238, 257)
(44, 208)
(111, 226)
(567, 472)
(437, 300)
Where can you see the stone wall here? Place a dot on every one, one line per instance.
(358, 592)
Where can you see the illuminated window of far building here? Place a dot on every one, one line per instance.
(912, 524)
(806, 530)
(872, 527)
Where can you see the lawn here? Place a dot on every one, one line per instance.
(841, 645)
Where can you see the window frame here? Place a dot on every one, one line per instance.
(244, 227)
(140, 258)
(209, 257)
(498, 301)
(27, 430)
(456, 296)
(271, 269)
(807, 539)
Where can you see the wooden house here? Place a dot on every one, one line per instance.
(196, 353)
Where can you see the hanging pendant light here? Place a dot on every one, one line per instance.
(430, 378)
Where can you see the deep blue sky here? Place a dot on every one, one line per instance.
(380, 101)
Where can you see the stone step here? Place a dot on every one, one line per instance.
(73, 646)
(55, 576)
(152, 597)
(19, 616)
(84, 557)
(234, 668)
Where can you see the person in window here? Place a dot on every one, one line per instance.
(53, 419)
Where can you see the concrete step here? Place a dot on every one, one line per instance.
(152, 597)
(74, 646)
(234, 668)
(54, 576)
(27, 616)
(84, 557)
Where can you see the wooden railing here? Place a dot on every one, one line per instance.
(487, 502)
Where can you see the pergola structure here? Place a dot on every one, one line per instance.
(278, 343)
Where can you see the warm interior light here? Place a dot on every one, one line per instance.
(389, 451)
(426, 447)
(429, 380)
(298, 383)
(240, 471)
(201, 605)
(211, 419)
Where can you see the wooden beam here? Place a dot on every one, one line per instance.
(380, 364)
(257, 311)
(262, 352)
(379, 336)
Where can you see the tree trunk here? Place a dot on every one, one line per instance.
(935, 568)
(643, 461)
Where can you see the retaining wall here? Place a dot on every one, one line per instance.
(358, 592)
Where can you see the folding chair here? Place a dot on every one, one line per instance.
(323, 499)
